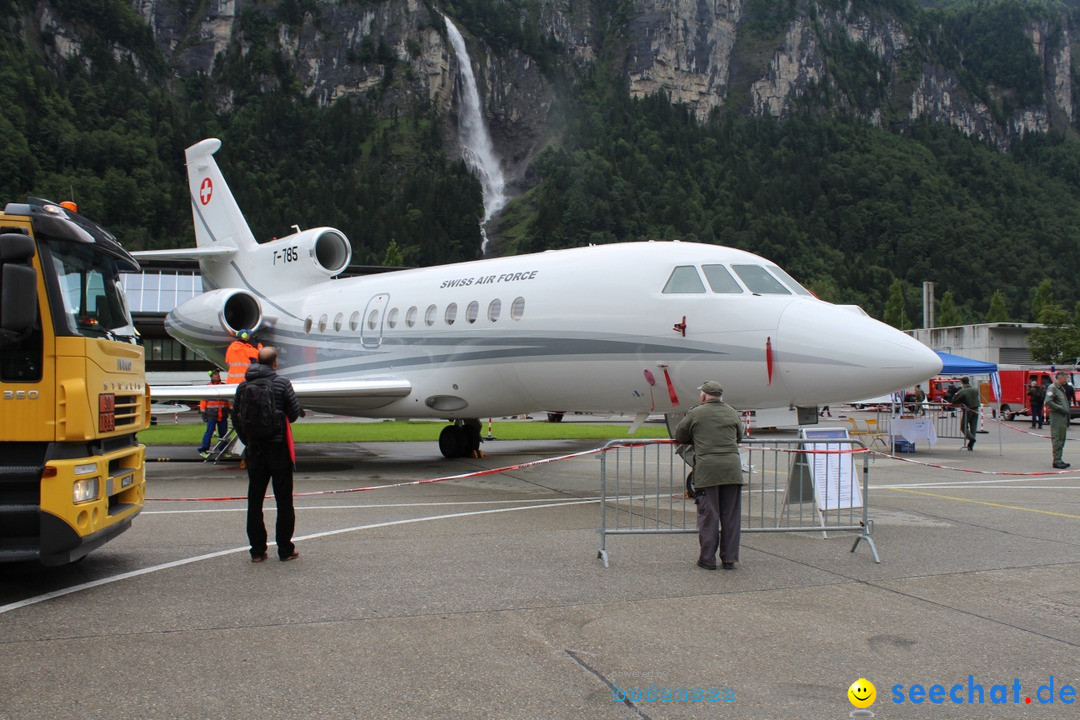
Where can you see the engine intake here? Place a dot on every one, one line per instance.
(240, 311)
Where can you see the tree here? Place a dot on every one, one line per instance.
(895, 313)
(1042, 297)
(394, 256)
(997, 311)
(947, 312)
(1058, 339)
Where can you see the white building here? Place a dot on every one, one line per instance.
(1002, 343)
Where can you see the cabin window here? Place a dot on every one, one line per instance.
(354, 320)
(788, 280)
(391, 318)
(472, 312)
(373, 319)
(308, 323)
(720, 279)
(410, 316)
(494, 308)
(517, 309)
(322, 323)
(684, 279)
(337, 322)
(759, 280)
(429, 316)
(451, 313)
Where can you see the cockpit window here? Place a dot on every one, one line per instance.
(684, 279)
(759, 280)
(788, 280)
(720, 279)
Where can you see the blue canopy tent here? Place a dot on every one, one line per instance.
(956, 365)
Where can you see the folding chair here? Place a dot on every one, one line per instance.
(875, 435)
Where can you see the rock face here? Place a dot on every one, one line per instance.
(703, 53)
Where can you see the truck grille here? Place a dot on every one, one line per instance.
(127, 410)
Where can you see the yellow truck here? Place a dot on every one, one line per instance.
(73, 384)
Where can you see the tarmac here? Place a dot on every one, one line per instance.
(483, 598)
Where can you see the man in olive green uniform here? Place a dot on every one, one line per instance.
(715, 430)
(1058, 404)
(967, 399)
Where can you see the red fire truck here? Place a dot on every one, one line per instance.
(1014, 384)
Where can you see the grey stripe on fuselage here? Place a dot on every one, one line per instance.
(336, 357)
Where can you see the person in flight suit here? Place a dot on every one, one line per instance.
(967, 399)
(1057, 400)
(714, 430)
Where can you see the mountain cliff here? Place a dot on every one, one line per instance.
(351, 107)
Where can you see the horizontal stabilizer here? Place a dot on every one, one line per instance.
(185, 253)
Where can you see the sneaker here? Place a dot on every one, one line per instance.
(204, 454)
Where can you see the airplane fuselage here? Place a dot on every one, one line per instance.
(604, 328)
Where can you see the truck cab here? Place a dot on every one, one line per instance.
(73, 391)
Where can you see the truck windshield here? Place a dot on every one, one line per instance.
(93, 299)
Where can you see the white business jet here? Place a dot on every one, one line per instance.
(632, 328)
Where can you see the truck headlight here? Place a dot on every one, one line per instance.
(85, 490)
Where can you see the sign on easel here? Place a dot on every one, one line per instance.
(825, 478)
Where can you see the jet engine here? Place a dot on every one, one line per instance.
(230, 309)
(308, 256)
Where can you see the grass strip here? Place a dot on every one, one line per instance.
(413, 431)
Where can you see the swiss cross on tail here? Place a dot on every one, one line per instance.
(206, 191)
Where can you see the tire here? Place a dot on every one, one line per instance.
(453, 442)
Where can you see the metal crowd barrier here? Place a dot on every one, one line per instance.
(946, 418)
(796, 485)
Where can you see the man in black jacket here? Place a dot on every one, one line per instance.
(268, 458)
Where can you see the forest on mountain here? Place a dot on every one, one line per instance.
(859, 213)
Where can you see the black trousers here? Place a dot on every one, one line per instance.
(719, 523)
(268, 464)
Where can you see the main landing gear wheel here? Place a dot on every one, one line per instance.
(452, 442)
(461, 439)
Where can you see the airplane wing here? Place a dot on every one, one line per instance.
(346, 396)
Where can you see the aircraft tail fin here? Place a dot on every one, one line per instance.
(218, 220)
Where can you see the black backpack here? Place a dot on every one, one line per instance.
(258, 418)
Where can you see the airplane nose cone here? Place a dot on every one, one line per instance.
(824, 350)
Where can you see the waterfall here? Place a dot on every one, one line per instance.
(473, 133)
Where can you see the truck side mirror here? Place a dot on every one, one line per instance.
(18, 283)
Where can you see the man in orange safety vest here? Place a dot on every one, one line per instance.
(239, 355)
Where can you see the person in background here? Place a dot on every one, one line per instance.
(1036, 394)
(920, 400)
(714, 430)
(967, 399)
(215, 413)
(239, 355)
(1057, 401)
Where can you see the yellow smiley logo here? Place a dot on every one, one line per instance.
(862, 693)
